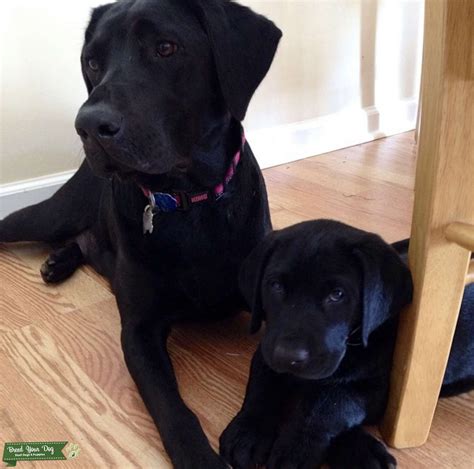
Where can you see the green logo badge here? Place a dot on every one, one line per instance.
(39, 451)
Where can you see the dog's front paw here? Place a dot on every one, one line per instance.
(357, 449)
(295, 451)
(247, 441)
(61, 264)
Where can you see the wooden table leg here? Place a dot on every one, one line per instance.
(444, 194)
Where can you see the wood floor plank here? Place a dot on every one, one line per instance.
(72, 290)
(24, 298)
(91, 336)
(27, 417)
(103, 429)
(212, 366)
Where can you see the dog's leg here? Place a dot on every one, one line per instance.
(144, 347)
(144, 335)
(357, 449)
(247, 441)
(71, 210)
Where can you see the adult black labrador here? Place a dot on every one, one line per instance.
(331, 296)
(170, 199)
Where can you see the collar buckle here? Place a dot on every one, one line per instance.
(165, 202)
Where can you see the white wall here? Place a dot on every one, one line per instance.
(347, 71)
(41, 86)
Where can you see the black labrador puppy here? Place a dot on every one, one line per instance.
(171, 199)
(331, 295)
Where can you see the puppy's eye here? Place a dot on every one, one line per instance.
(336, 295)
(277, 286)
(93, 65)
(166, 48)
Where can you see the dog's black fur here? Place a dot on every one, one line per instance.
(169, 82)
(331, 296)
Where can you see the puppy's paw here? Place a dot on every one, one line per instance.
(247, 441)
(295, 452)
(61, 264)
(357, 449)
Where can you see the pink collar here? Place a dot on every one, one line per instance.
(178, 200)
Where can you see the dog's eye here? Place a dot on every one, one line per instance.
(277, 286)
(336, 295)
(166, 48)
(93, 65)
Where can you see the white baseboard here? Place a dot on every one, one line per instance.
(285, 143)
(16, 195)
(272, 146)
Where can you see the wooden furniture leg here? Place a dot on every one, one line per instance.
(419, 111)
(444, 194)
(470, 274)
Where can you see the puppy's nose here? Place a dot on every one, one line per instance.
(98, 121)
(290, 357)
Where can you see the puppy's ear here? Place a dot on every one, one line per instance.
(250, 279)
(387, 283)
(95, 17)
(243, 44)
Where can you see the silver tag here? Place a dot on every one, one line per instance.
(148, 219)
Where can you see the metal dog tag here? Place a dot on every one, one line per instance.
(148, 219)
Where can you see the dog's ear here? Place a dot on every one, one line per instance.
(387, 284)
(250, 279)
(243, 45)
(95, 17)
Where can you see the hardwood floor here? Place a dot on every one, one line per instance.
(63, 375)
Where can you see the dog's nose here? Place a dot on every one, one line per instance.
(99, 122)
(289, 357)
